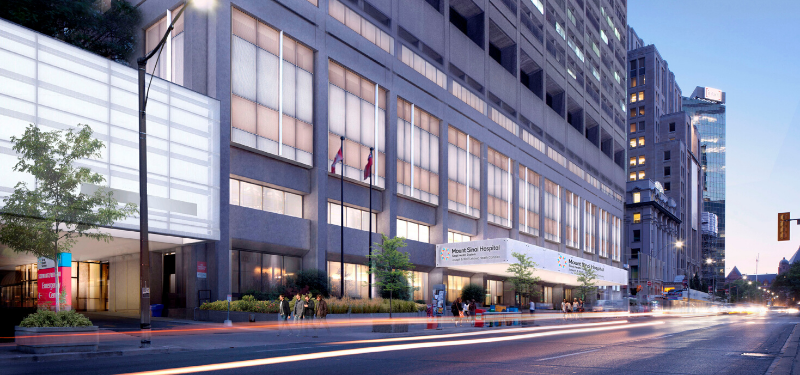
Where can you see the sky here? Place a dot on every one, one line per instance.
(751, 52)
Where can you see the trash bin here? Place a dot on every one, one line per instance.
(479, 317)
(155, 310)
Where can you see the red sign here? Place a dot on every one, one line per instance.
(47, 287)
(649, 283)
(202, 270)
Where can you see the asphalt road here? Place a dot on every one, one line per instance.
(698, 345)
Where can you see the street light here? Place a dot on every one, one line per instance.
(144, 241)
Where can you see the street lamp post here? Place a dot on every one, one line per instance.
(144, 241)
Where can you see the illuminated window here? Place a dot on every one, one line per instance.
(417, 143)
(637, 197)
(633, 161)
(589, 220)
(641, 95)
(641, 160)
(498, 188)
(356, 279)
(633, 127)
(572, 219)
(641, 141)
(454, 286)
(641, 111)
(355, 22)
(453, 237)
(633, 81)
(552, 211)
(633, 142)
(641, 175)
(353, 217)
(413, 231)
(637, 217)
(263, 198)
(616, 238)
(633, 112)
(170, 61)
(633, 176)
(605, 227)
(463, 173)
(633, 97)
(528, 201)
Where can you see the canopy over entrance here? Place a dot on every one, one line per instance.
(494, 256)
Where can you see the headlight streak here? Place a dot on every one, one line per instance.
(379, 349)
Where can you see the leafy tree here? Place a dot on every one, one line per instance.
(390, 265)
(788, 284)
(695, 284)
(48, 219)
(312, 281)
(523, 279)
(109, 31)
(587, 277)
(473, 292)
(404, 293)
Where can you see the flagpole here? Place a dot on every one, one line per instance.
(341, 227)
(369, 244)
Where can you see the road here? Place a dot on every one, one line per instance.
(696, 345)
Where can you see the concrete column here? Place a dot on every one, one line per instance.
(439, 231)
(514, 214)
(483, 220)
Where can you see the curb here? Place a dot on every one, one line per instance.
(784, 362)
(86, 355)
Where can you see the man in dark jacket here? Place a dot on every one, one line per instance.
(322, 312)
(284, 313)
(308, 312)
(298, 311)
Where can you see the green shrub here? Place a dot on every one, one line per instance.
(335, 305)
(473, 292)
(404, 294)
(47, 318)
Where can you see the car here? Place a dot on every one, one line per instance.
(605, 305)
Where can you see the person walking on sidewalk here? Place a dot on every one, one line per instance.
(298, 312)
(322, 312)
(575, 309)
(284, 313)
(457, 310)
(308, 312)
(472, 310)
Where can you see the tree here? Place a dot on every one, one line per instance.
(523, 279)
(405, 293)
(312, 281)
(107, 31)
(694, 283)
(473, 292)
(48, 219)
(390, 265)
(787, 284)
(587, 277)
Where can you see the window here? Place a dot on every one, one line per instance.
(635, 253)
(671, 127)
(270, 111)
(464, 173)
(667, 155)
(641, 160)
(633, 97)
(633, 161)
(353, 113)
(418, 282)
(268, 199)
(667, 185)
(641, 111)
(633, 81)
(633, 142)
(355, 22)
(423, 67)
(453, 237)
(552, 211)
(605, 244)
(528, 201)
(454, 286)
(356, 279)
(641, 175)
(353, 217)
(170, 61)
(634, 272)
(494, 292)
(589, 221)
(637, 235)
(633, 127)
(573, 217)
(503, 120)
(641, 141)
(637, 197)
(417, 144)
(632, 176)
(667, 171)
(641, 126)
(413, 231)
(637, 217)
(616, 238)
(641, 96)
(251, 271)
(466, 96)
(633, 112)
(499, 188)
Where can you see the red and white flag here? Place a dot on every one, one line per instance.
(368, 167)
(337, 159)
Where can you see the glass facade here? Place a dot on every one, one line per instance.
(528, 201)
(259, 272)
(464, 173)
(356, 279)
(709, 118)
(417, 145)
(499, 188)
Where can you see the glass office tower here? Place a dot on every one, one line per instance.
(706, 108)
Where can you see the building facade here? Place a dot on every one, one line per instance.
(664, 238)
(706, 109)
(489, 120)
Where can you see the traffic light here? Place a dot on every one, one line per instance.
(783, 226)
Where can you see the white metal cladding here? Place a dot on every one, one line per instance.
(54, 85)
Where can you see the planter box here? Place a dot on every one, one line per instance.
(218, 316)
(41, 340)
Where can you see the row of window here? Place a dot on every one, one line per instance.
(633, 176)
(264, 198)
(637, 111)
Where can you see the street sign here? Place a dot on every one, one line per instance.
(649, 283)
(783, 226)
(230, 297)
(202, 270)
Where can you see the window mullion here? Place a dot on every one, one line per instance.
(280, 97)
(413, 107)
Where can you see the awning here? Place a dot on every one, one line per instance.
(494, 256)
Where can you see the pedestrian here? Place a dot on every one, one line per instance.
(465, 309)
(532, 307)
(308, 312)
(322, 312)
(472, 308)
(580, 305)
(457, 310)
(575, 308)
(564, 307)
(298, 312)
(284, 313)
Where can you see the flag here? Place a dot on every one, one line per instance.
(337, 159)
(368, 167)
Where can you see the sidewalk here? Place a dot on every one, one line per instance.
(788, 362)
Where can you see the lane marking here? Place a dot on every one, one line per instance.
(382, 349)
(277, 350)
(567, 355)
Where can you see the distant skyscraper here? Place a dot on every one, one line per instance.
(706, 108)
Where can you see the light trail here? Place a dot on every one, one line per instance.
(509, 330)
(379, 349)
